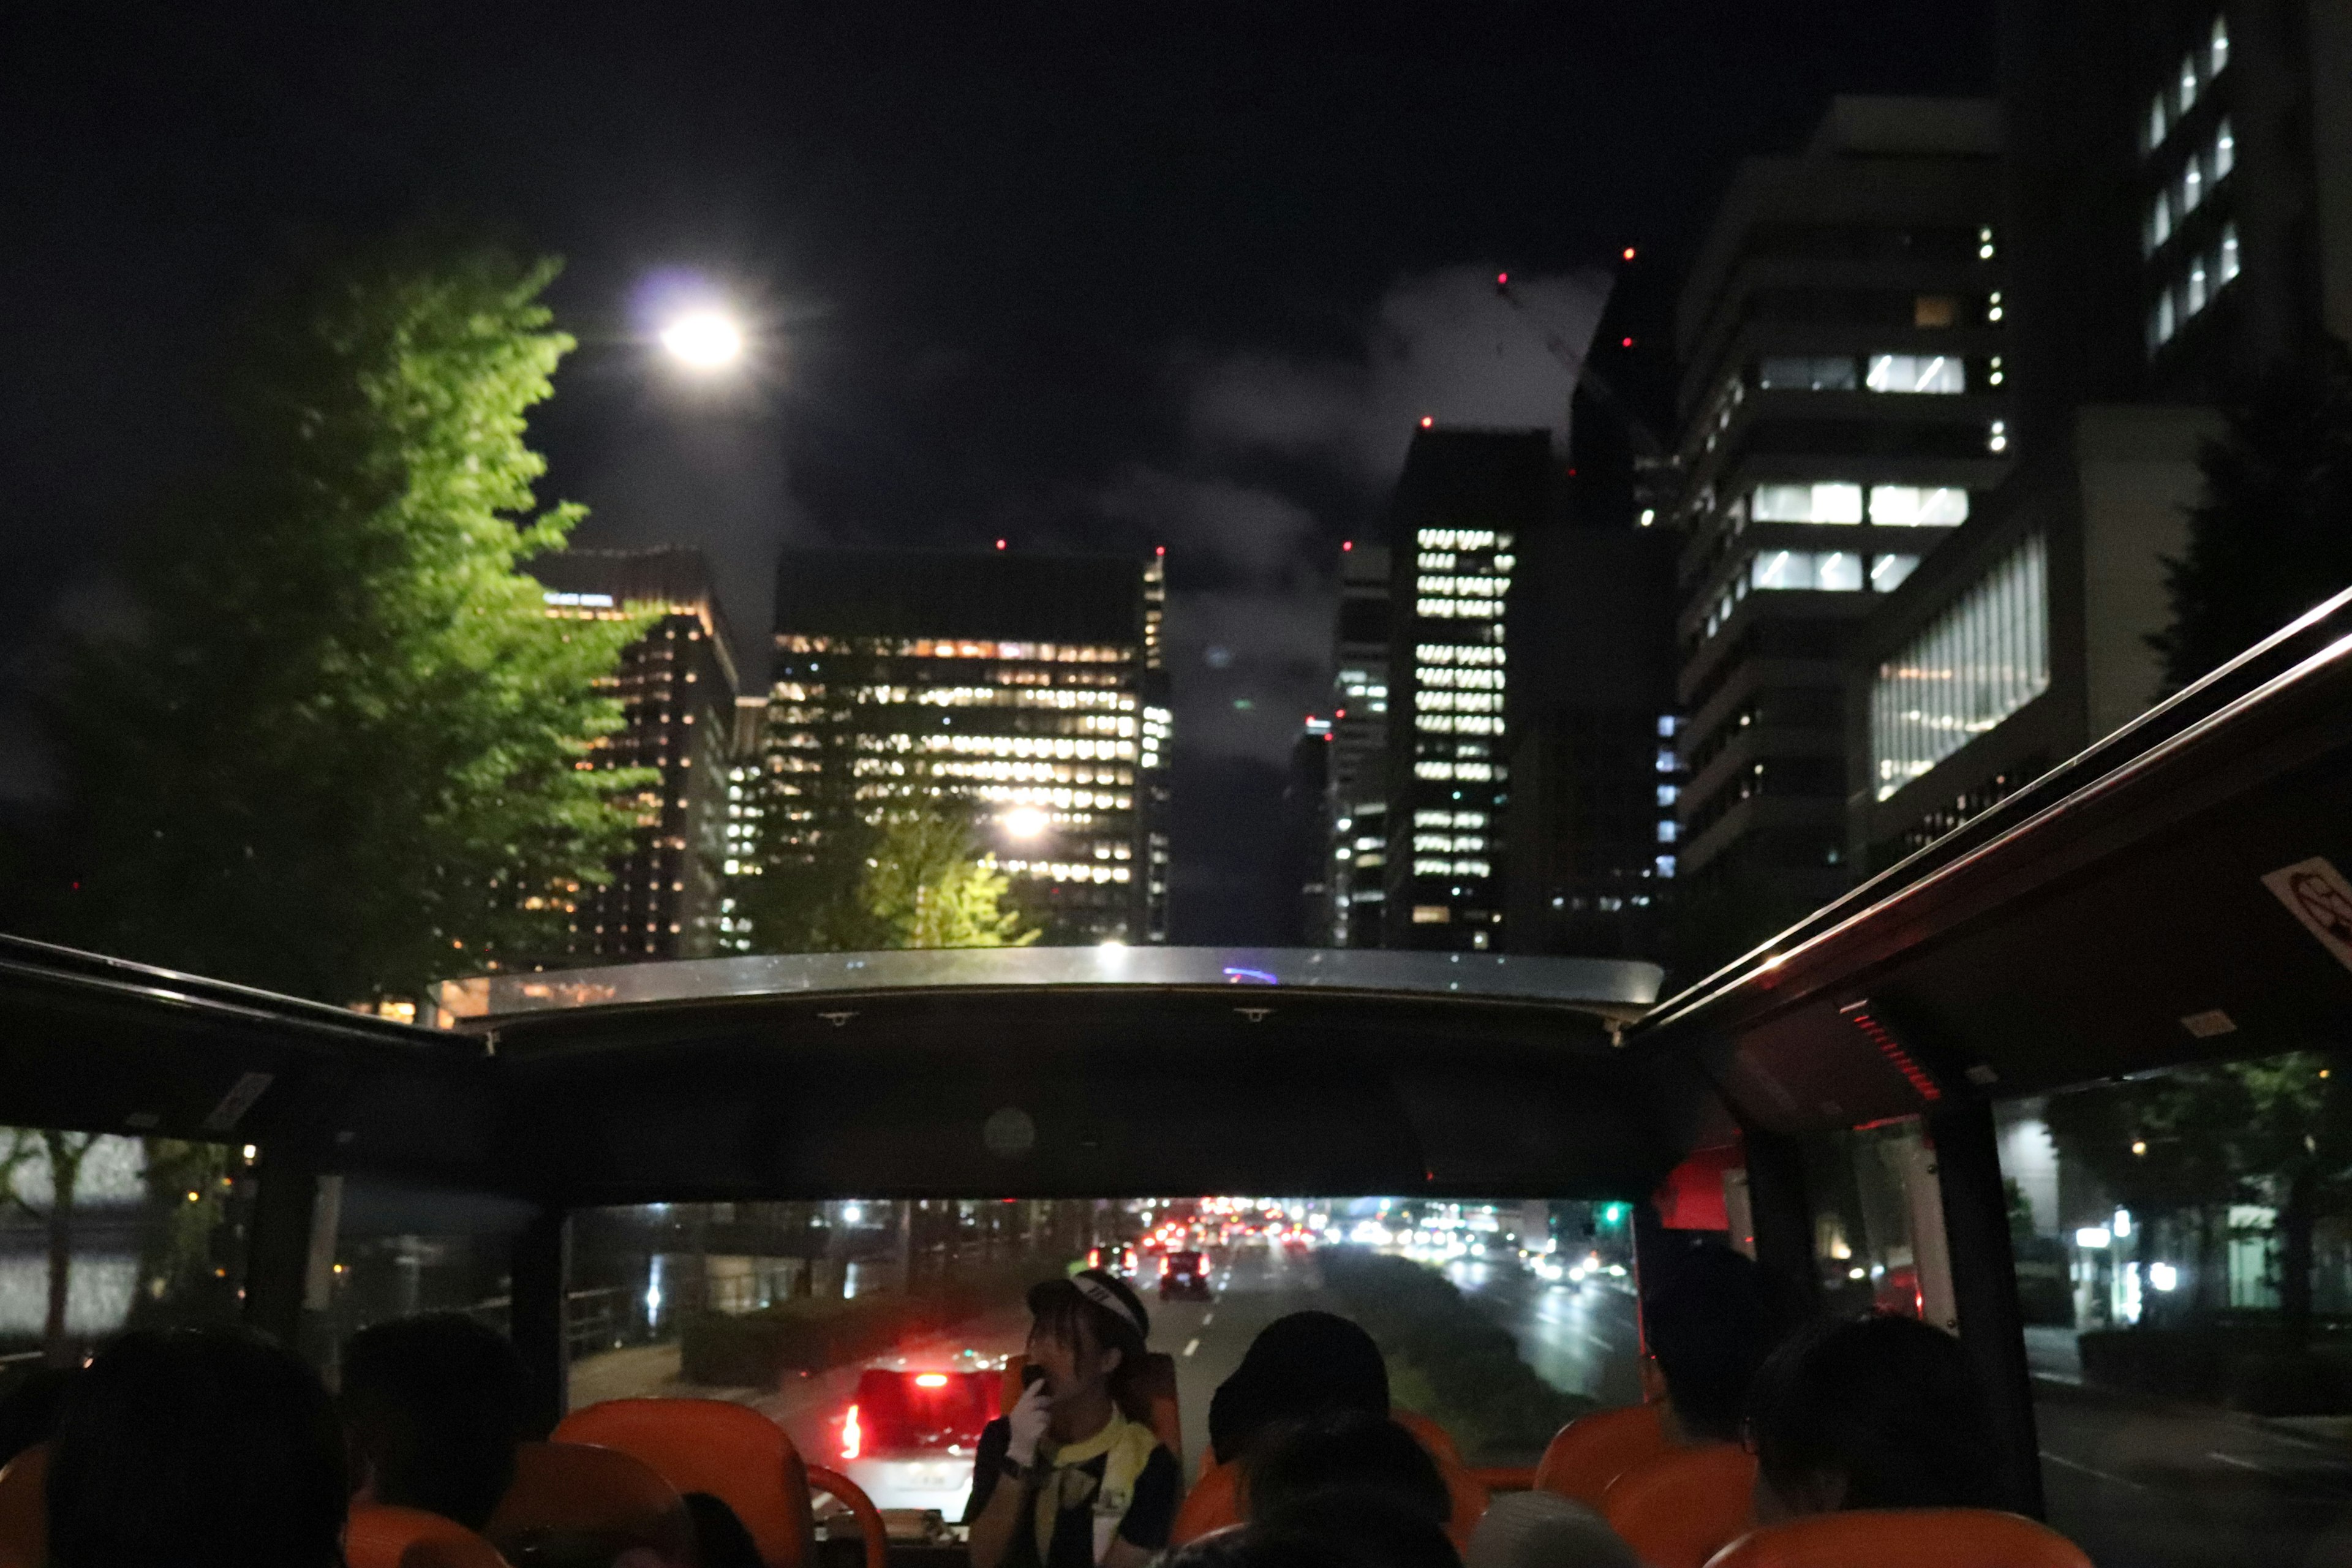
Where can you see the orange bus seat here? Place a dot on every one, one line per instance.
(575, 1489)
(1913, 1537)
(1434, 1438)
(872, 1533)
(1214, 1502)
(381, 1536)
(1216, 1498)
(1681, 1507)
(25, 1509)
(1158, 1385)
(734, 1453)
(1591, 1451)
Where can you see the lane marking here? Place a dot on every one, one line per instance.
(1192, 1345)
(1207, 1319)
(2088, 1470)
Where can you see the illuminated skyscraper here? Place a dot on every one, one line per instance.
(1030, 683)
(676, 686)
(1357, 811)
(1463, 504)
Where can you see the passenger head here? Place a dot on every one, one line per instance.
(437, 1408)
(1297, 1366)
(1874, 1412)
(30, 1408)
(1349, 1451)
(1086, 1328)
(1709, 1325)
(1544, 1530)
(1351, 1528)
(198, 1449)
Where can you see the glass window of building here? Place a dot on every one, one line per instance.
(1919, 506)
(1827, 570)
(2159, 220)
(1830, 502)
(2225, 150)
(2192, 184)
(1806, 373)
(2156, 123)
(1887, 572)
(2217, 51)
(1916, 373)
(2227, 268)
(2188, 86)
(1984, 658)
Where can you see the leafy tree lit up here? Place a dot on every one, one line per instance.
(339, 750)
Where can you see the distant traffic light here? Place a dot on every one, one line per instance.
(1612, 1213)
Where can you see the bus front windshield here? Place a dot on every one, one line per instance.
(878, 1333)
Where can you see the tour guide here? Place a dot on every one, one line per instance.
(1074, 1477)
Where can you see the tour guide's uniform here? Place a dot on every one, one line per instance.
(1118, 1483)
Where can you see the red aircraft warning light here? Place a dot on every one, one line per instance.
(1426, 422)
(1502, 280)
(1629, 252)
(1000, 544)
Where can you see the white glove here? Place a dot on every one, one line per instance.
(1028, 1421)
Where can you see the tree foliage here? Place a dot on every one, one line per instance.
(344, 751)
(913, 876)
(2273, 536)
(2185, 1146)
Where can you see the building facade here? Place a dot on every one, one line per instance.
(2178, 213)
(1464, 508)
(1843, 407)
(676, 686)
(1030, 683)
(1355, 811)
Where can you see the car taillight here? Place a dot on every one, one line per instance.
(853, 1438)
(1094, 1258)
(932, 1380)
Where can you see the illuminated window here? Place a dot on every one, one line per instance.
(2227, 268)
(1917, 506)
(1916, 373)
(2217, 51)
(1986, 656)
(1887, 572)
(1935, 310)
(2225, 151)
(1831, 503)
(1828, 571)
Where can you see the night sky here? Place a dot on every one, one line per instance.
(1102, 274)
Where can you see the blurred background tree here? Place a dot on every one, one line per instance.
(2273, 536)
(337, 749)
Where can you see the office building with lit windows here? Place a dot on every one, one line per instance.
(1843, 404)
(2179, 218)
(1355, 809)
(676, 686)
(1031, 684)
(1463, 507)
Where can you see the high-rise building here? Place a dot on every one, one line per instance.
(746, 811)
(1843, 406)
(1354, 812)
(1463, 507)
(1029, 682)
(676, 687)
(1594, 771)
(2179, 218)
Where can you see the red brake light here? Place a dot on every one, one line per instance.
(852, 1436)
(932, 1380)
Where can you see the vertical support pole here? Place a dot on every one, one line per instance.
(1783, 1217)
(1984, 1291)
(277, 1258)
(541, 1266)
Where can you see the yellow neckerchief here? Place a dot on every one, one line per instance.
(1061, 1486)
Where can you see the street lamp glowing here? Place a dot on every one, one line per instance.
(1025, 822)
(704, 341)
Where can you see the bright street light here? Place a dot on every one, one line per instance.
(704, 341)
(1025, 822)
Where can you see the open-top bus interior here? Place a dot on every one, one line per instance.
(1865, 1105)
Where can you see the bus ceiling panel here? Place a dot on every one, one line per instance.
(1150, 1098)
(1612, 988)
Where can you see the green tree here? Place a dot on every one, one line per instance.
(2273, 535)
(911, 877)
(344, 753)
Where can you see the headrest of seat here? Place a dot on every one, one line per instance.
(1869, 1538)
(580, 1491)
(1680, 1509)
(25, 1509)
(381, 1536)
(1591, 1451)
(730, 1451)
